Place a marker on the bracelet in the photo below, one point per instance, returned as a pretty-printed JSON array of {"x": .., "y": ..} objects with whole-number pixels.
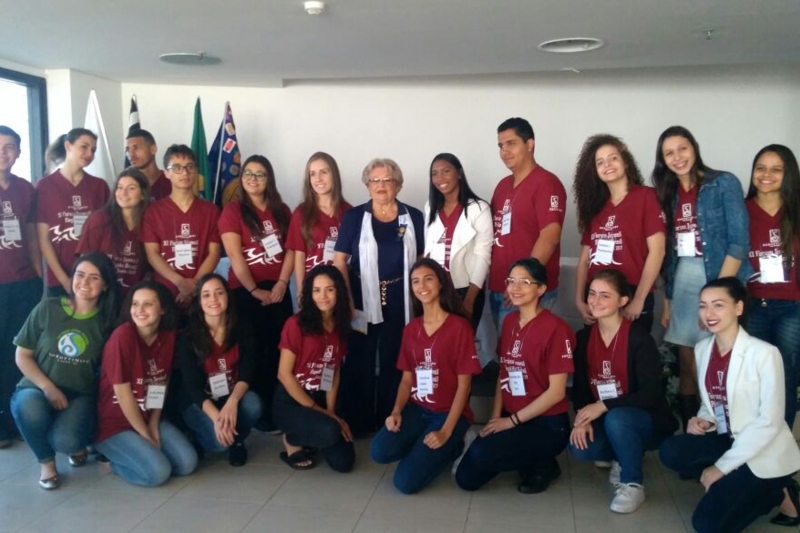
[
  {"x": 286, "y": 282},
  {"x": 512, "y": 419},
  {"x": 516, "y": 415},
  {"x": 253, "y": 289}
]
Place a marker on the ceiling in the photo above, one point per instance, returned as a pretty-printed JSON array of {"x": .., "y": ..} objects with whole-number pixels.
[{"x": 274, "y": 42}]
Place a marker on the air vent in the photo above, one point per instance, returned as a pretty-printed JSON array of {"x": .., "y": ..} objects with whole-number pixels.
[
  {"x": 571, "y": 45},
  {"x": 189, "y": 58}
]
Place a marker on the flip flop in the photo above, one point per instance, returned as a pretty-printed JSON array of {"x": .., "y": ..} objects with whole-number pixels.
[
  {"x": 50, "y": 483},
  {"x": 296, "y": 458}
]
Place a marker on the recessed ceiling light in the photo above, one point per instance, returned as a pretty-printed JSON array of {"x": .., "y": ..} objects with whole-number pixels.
[
  {"x": 189, "y": 58},
  {"x": 314, "y": 7},
  {"x": 571, "y": 45}
]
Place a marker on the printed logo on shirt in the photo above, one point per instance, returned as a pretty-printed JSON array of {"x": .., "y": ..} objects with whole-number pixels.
[
  {"x": 775, "y": 236},
  {"x": 153, "y": 366},
  {"x": 607, "y": 368},
  {"x": 553, "y": 203},
  {"x": 328, "y": 355},
  {"x": 223, "y": 366},
  {"x": 507, "y": 205},
  {"x": 567, "y": 355},
  {"x": 186, "y": 230},
  {"x": 334, "y": 232},
  {"x": 128, "y": 249},
  {"x": 686, "y": 209},
  {"x": 515, "y": 348},
  {"x": 7, "y": 208},
  {"x": 76, "y": 201},
  {"x": 268, "y": 229},
  {"x": 72, "y": 343},
  {"x": 428, "y": 355},
  {"x": 720, "y": 376},
  {"x": 610, "y": 222}
]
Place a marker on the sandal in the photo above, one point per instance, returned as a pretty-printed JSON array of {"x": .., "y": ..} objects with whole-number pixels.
[
  {"x": 296, "y": 458},
  {"x": 50, "y": 483},
  {"x": 79, "y": 459}
]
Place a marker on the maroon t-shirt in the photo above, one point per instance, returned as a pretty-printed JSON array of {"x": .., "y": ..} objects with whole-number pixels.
[
  {"x": 450, "y": 222},
  {"x": 18, "y": 205},
  {"x": 539, "y": 200},
  {"x": 685, "y": 217},
  {"x": 166, "y": 225},
  {"x": 609, "y": 364},
  {"x": 765, "y": 241},
  {"x": 218, "y": 362},
  {"x": 126, "y": 251},
  {"x": 716, "y": 381},
  {"x": 58, "y": 203},
  {"x": 127, "y": 359},
  {"x": 262, "y": 267},
  {"x": 312, "y": 353},
  {"x": 629, "y": 224},
  {"x": 448, "y": 353},
  {"x": 161, "y": 188},
  {"x": 325, "y": 228},
  {"x": 543, "y": 347}
]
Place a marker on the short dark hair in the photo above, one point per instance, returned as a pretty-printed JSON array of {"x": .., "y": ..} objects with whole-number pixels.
[
  {"x": 520, "y": 126},
  {"x": 5, "y": 130},
  {"x": 143, "y": 134},
  {"x": 533, "y": 266},
  {"x": 179, "y": 149}
]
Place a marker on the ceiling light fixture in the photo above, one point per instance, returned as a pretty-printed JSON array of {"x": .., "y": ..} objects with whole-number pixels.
[
  {"x": 571, "y": 45},
  {"x": 314, "y": 7},
  {"x": 189, "y": 58}
]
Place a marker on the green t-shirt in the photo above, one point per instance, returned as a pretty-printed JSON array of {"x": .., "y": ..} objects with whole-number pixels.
[{"x": 66, "y": 346}]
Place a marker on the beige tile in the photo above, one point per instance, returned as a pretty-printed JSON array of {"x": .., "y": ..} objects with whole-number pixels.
[
  {"x": 285, "y": 519},
  {"x": 198, "y": 515},
  {"x": 21, "y": 505},
  {"x": 72, "y": 478},
  {"x": 484, "y": 527},
  {"x": 114, "y": 483},
  {"x": 501, "y": 503},
  {"x": 322, "y": 488},
  {"x": 409, "y": 525},
  {"x": 15, "y": 458},
  {"x": 592, "y": 514},
  {"x": 220, "y": 481}
]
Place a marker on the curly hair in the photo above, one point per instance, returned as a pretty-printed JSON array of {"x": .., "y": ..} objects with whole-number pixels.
[
  {"x": 310, "y": 317},
  {"x": 449, "y": 300},
  {"x": 591, "y": 193}
]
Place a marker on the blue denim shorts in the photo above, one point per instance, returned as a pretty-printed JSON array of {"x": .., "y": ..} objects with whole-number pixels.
[{"x": 684, "y": 326}]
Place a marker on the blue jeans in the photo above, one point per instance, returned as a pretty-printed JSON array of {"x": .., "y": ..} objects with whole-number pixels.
[
  {"x": 622, "y": 434},
  {"x": 419, "y": 465},
  {"x": 47, "y": 430},
  {"x": 733, "y": 502},
  {"x": 524, "y": 448},
  {"x": 250, "y": 408},
  {"x": 778, "y": 322},
  {"x": 500, "y": 310},
  {"x": 137, "y": 461}
]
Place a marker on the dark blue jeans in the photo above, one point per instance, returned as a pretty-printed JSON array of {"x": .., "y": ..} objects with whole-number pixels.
[
  {"x": 524, "y": 448},
  {"x": 249, "y": 412},
  {"x": 733, "y": 502},
  {"x": 419, "y": 465},
  {"x": 778, "y": 323},
  {"x": 622, "y": 434}
]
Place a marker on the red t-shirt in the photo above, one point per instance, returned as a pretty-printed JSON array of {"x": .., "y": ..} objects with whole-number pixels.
[
  {"x": 539, "y": 200},
  {"x": 312, "y": 352},
  {"x": 765, "y": 241},
  {"x": 325, "y": 228},
  {"x": 716, "y": 381},
  {"x": 262, "y": 267},
  {"x": 18, "y": 204},
  {"x": 448, "y": 353},
  {"x": 58, "y": 202},
  {"x": 161, "y": 188},
  {"x": 127, "y": 359},
  {"x": 609, "y": 364},
  {"x": 166, "y": 225},
  {"x": 685, "y": 218},
  {"x": 629, "y": 224},
  {"x": 218, "y": 362},
  {"x": 127, "y": 252},
  {"x": 543, "y": 347},
  {"x": 450, "y": 222}
]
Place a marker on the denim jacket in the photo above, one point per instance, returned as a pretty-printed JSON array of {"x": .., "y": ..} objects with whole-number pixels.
[{"x": 724, "y": 228}]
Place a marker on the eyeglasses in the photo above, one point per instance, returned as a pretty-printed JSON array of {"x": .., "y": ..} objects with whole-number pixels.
[
  {"x": 180, "y": 169},
  {"x": 525, "y": 282},
  {"x": 248, "y": 175},
  {"x": 383, "y": 181}
]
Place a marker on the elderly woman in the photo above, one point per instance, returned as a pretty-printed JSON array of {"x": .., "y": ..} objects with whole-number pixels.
[{"x": 378, "y": 243}]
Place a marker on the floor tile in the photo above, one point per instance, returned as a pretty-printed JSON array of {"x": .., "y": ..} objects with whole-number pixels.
[
  {"x": 21, "y": 505},
  {"x": 499, "y": 502},
  {"x": 220, "y": 481},
  {"x": 15, "y": 458},
  {"x": 409, "y": 525},
  {"x": 592, "y": 514},
  {"x": 199, "y": 515},
  {"x": 285, "y": 519},
  {"x": 322, "y": 488}
]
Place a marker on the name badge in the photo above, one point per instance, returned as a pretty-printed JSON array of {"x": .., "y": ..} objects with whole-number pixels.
[
  {"x": 326, "y": 380},
  {"x": 516, "y": 382},
  {"x": 606, "y": 390},
  {"x": 183, "y": 254},
  {"x": 78, "y": 220},
  {"x": 686, "y": 244},
  {"x": 360, "y": 322},
  {"x": 218, "y": 383},
  {"x": 424, "y": 381},
  {"x": 771, "y": 267},
  {"x": 719, "y": 415},
  {"x": 155, "y": 396},
  {"x": 604, "y": 253},
  {"x": 11, "y": 230},
  {"x": 505, "y": 226},
  {"x": 328, "y": 250},
  {"x": 271, "y": 245}
]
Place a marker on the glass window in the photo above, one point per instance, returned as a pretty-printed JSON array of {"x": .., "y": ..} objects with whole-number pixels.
[{"x": 24, "y": 109}]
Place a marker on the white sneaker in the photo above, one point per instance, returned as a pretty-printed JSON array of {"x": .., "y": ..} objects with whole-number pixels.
[
  {"x": 469, "y": 436},
  {"x": 627, "y": 498},
  {"x": 614, "y": 474}
]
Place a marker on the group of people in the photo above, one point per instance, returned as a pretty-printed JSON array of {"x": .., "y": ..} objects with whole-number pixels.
[{"x": 389, "y": 298}]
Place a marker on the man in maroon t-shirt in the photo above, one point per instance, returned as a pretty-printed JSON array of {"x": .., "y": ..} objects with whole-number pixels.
[
  {"x": 528, "y": 208},
  {"x": 140, "y": 147},
  {"x": 180, "y": 232}
]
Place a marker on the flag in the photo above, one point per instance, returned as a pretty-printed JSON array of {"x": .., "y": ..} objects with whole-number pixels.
[
  {"x": 103, "y": 165},
  {"x": 225, "y": 160},
  {"x": 201, "y": 152},
  {"x": 133, "y": 126}
]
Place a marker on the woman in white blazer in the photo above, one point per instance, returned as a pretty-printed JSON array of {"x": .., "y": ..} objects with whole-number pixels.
[
  {"x": 458, "y": 232},
  {"x": 738, "y": 445}
]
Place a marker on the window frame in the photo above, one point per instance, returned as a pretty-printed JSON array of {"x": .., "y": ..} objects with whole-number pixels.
[{"x": 37, "y": 117}]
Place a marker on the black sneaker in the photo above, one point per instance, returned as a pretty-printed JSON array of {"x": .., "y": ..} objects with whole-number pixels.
[
  {"x": 539, "y": 480},
  {"x": 237, "y": 454}
]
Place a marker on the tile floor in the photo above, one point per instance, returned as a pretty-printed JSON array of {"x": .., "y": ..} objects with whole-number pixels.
[{"x": 266, "y": 496}]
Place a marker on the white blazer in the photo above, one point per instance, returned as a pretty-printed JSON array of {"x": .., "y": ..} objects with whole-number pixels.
[
  {"x": 471, "y": 249},
  {"x": 756, "y": 403}
]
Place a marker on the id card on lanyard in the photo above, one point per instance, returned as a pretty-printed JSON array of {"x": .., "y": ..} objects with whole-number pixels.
[
  {"x": 686, "y": 244},
  {"x": 516, "y": 381},
  {"x": 155, "y": 396},
  {"x": 78, "y": 220},
  {"x": 771, "y": 267},
  {"x": 272, "y": 245},
  {"x": 218, "y": 383},
  {"x": 12, "y": 230},
  {"x": 424, "y": 381}
]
